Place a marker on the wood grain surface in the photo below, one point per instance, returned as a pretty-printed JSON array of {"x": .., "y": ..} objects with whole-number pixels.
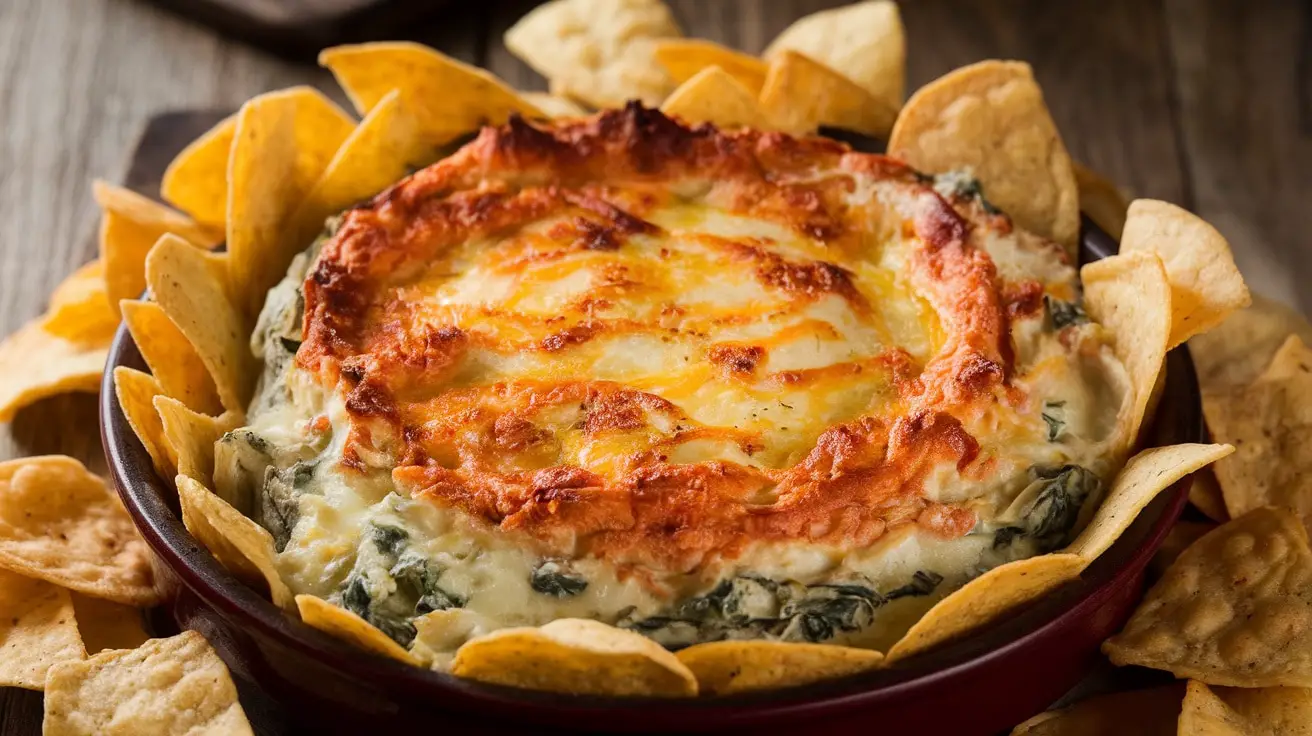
[{"x": 1207, "y": 103}]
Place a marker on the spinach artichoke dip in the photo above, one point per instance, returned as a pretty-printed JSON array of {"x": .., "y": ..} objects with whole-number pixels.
[{"x": 692, "y": 383}]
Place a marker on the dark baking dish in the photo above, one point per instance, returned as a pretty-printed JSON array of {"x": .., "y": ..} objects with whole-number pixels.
[{"x": 981, "y": 684}]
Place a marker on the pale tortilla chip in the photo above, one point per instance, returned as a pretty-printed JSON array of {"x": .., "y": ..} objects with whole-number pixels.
[
  {"x": 1206, "y": 286},
  {"x": 35, "y": 365},
  {"x": 79, "y": 309},
  {"x": 130, "y": 225},
  {"x": 196, "y": 181},
  {"x": 108, "y": 625},
  {"x": 1178, "y": 539},
  {"x": 190, "y": 436},
  {"x": 1143, "y": 477},
  {"x": 345, "y": 625},
  {"x": 990, "y": 121},
  {"x": 238, "y": 543},
  {"x": 37, "y": 630},
  {"x": 598, "y": 51},
  {"x": 554, "y": 106},
  {"x": 1270, "y": 422},
  {"x": 171, "y": 358},
  {"x": 578, "y": 656},
  {"x": 984, "y": 599},
  {"x": 1130, "y": 296},
  {"x": 447, "y": 98},
  {"x": 1234, "y": 609},
  {"x": 1222, "y": 711},
  {"x": 189, "y": 284},
  {"x": 136, "y": 396},
  {"x": 1132, "y": 713},
  {"x": 864, "y": 42},
  {"x": 685, "y": 58},
  {"x": 167, "y": 686},
  {"x": 1101, "y": 200},
  {"x": 1205, "y": 495},
  {"x": 63, "y": 525},
  {"x": 712, "y": 96},
  {"x": 801, "y": 94},
  {"x": 1236, "y": 352},
  {"x": 727, "y": 667}
]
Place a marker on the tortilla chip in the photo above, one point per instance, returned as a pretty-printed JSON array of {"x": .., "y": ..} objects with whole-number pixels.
[
  {"x": 1236, "y": 352},
  {"x": 35, "y": 365},
  {"x": 238, "y": 543},
  {"x": 79, "y": 310},
  {"x": 167, "y": 686},
  {"x": 990, "y": 121},
  {"x": 191, "y": 436},
  {"x": 1129, "y": 296},
  {"x": 685, "y": 58},
  {"x": 130, "y": 224},
  {"x": 196, "y": 181},
  {"x": 1280, "y": 711},
  {"x": 108, "y": 625},
  {"x": 63, "y": 525},
  {"x": 37, "y": 630},
  {"x": 553, "y": 106},
  {"x": 727, "y": 667},
  {"x": 170, "y": 356},
  {"x": 1270, "y": 422},
  {"x": 598, "y": 51},
  {"x": 1178, "y": 539},
  {"x": 385, "y": 147},
  {"x": 1132, "y": 713},
  {"x": 189, "y": 286},
  {"x": 136, "y": 395},
  {"x": 1234, "y": 609},
  {"x": 984, "y": 599},
  {"x": 446, "y": 97},
  {"x": 801, "y": 94},
  {"x": 712, "y": 96},
  {"x": 1205, "y": 495},
  {"x": 345, "y": 625},
  {"x": 864, "y": 42},
  {"x": 1206, "y": 286},
  {"x": 1101, "y": 200},
  {"x": 1143, "y": 477},
  {"x": 578, "y": 656}
]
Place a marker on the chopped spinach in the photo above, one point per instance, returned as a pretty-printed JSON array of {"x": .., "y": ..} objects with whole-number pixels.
[
  {"x": 289, "y": 344},
  {"x": 923, "y": 582},
  {"x": 958, "y": 184},
  {"x": 280, "y": 504},
  {"x": 416, "y": 579},
  {"x": 1054, "y": 415},
  {"x": 1006, "y": 535},
  {"x": 554, "y": 579},
  {"x": 389, "y": 539},
  {"x": 1064, "y": 314},
  {"x": 1059, "y": 492}
]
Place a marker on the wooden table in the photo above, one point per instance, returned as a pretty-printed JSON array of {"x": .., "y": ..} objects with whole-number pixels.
[{"x": 1207, "y": 103}]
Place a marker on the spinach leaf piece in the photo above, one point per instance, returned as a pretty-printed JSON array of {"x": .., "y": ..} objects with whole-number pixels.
[
  {"x": 1064, "y": 314},
  {"x": 1054, "y": 415},
  {"x": 556, "y": 580},
  {"x": 1056, "y": 508}
]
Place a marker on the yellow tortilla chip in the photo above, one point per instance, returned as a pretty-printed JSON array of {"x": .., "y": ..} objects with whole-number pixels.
[
  {"x": 1101, "y": 200},
  {"x": 108, "y": 625},
  {"x": 79, "y": 310},
  {"x": 864, "y": 42},
  {"x": 727, "y": 667},
  {"x": 1132, "y": 713},
  {"x": 196, "y": 181},
  {"x": 345, "y": 625},
  {"x": 1222, "y": 711},
  {"x": 166, "y": 686},
  {"x": 1234, "y": 609},
  {"x": 1206, "y": 286},
  {"x": 1205, "y": 495},
  {"x": 1236, "y": 352},
  {"x": 578, "y": 656},
  {"x": 171, "y": 358},
  {"x": 1130, "y": 296},
  {"x": 1270, "y": 422},
  {"x": 136, "y": 395},
  {"x": 1178, "y": 539},
  {"x": 238, "y": 543},
  {"x": 597, "y": 51},
  {"x": 130, "y": 225},
  {"x": 1143, "y": 477},
  {"x": 990, "y": 121},
  {"x": 801, "y": 94},
  {"x": 984, "y": 599},
  {"x": 386, "y": 145},
  {"x": 446, "y": 97},
  {"x": 685, "y": 58},
  {"x": 37, "y": 630},
  {"x": 63, "y": 525},
  {"x": 554, "y": 106},
  {"x": 190, "y": 436},
  {"x": 189, "y": 284},
  {"x": 712, "y": 96},
  {"x": 35, "y": 365}
]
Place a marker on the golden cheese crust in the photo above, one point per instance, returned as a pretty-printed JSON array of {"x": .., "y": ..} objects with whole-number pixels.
[{"x": 656, "y": 344}]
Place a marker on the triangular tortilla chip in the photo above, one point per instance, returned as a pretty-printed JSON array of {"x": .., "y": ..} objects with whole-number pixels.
[
  {"x": 727, "y": 667},
  {"x": 191, "y": 436},
  {"x": 196, "y": 181},
  {"x": 37, "y": 630},
  {"x": 170, "y": 356},
  {"x": 79, "y": 308},
  {"x": 136, "y": 395},
  {"x": 1236, "y": 352},
  {"x": 685, "y": 58},
  {"x": 34, "y": 365},
  {"x": 801, "y": 94},
  {"x": 239, "y": 544},
  {"x": 712, "y": 96}
]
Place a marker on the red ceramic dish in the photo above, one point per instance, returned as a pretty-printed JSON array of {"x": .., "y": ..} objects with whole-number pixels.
[{"x": 982, "y": 684}]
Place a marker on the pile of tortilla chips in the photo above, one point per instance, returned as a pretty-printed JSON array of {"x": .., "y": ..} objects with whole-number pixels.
[{"x": 1233, "y": 608}]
